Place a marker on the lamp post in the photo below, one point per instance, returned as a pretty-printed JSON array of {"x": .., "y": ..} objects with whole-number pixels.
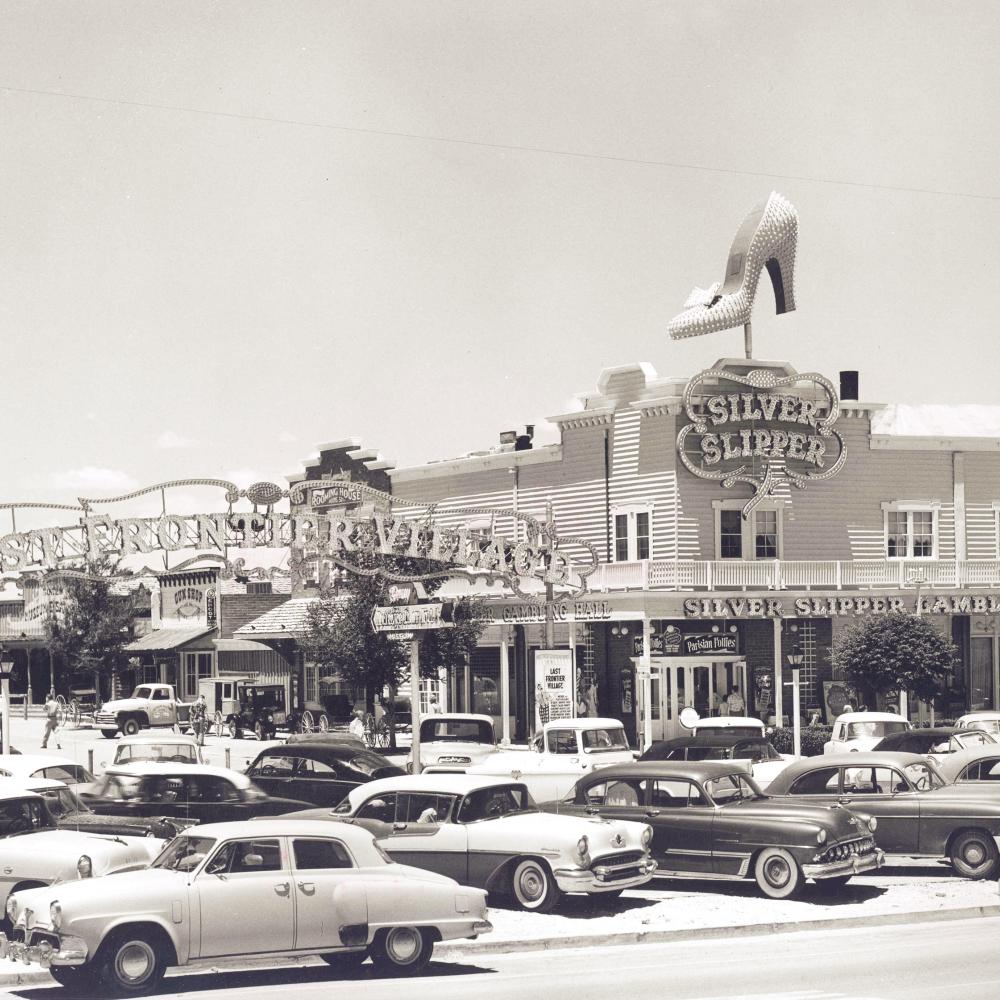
[
  {"x": 795, "y": 658},
  {"x": 6, "y": 669}
]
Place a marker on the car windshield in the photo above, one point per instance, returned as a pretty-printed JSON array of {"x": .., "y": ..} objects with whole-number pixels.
[
  {"x": 184, "y": 854},
  {"x": 986, "y": 725},
  {"x": 494, "y": 802},
  {"x": 731, "y": 788},
  {"x": 22, "y": 816},
  {"x": 874, "y": 728},
  {"x": 604, "y": 740},
  {"x": 923, "y": 776},
  {"x": 142, "y": 692},
  {"x": 62, "y": 801},
  {"x": 175, "y": 752},
  {"x": 456, "y": 731}
]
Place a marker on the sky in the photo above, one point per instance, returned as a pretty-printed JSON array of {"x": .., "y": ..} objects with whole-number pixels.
[{"x": 233, "y": 231}]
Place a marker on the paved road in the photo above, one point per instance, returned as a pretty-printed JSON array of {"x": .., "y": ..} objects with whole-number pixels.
[{"x": 928, "y": 961}]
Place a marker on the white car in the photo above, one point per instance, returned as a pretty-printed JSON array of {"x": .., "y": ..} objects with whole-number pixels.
[
  {"x": 862, "y": 730},
  {"x": 732, "y": 725},
  {"x": 282, "y": 889},
  {"x": 453, "y": 742},
  {"x": 23, "y": 766},
  {"x": 33, "y": 852},
  {"x": 487, "y": 832},
  {"x": 987, "y": 721},
  {"x": 156, "y": 746},
  {"x": 560, "y": 755}
]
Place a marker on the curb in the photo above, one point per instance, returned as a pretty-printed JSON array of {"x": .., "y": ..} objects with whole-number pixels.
[{"x": 459, "y": 948}]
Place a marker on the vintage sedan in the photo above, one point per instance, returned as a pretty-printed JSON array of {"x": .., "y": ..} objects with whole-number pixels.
[
  {"x": 564, "y": 751},
  {"x": 919, "y": 814},
  {"x": 760, "y": 759},
  {"x": 987, "y": 720},
  {"x": 189, "y": 791},
  {"x": 320, "y": 773},
  {"x": 283, "y": 889},
  {"x": 487, "y": 832},
  {"x": 860, "y": 731},
  {"x": 23, "y": 766},
  {"x": 710, "y": 820},
  {"x": 973, "y": 765},
  {"x": 451, "y": 743},
  {"x": 35, "y": 852}
]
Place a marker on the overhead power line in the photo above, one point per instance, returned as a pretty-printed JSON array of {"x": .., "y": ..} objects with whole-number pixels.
[{"x": 507, "y": 147}]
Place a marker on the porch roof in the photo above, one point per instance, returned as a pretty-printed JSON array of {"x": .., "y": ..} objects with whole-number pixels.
[{"x": 162, "y": 639}]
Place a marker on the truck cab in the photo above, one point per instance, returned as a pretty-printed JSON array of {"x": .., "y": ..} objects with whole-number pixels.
[{"x": 150, "y": 706}]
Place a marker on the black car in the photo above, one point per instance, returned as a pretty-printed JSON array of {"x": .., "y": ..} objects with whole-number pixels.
[
  {"x": 321, "y": 772},
  {"x": 936, "y": 740},
  {"x": 189, "y": 791},
  {"x": 713, "y": 746}
]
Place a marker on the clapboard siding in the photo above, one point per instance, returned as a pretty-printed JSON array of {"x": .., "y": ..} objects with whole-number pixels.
[{"x": 982, "y": 491}]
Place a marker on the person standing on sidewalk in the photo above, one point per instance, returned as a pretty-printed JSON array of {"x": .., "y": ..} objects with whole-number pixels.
[
  {"x": 199, "y": 719},
  {"x": 51, "y": 719}
]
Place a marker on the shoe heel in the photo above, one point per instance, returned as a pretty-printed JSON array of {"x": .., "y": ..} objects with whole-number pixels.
[{"x": 781, "y": 267}]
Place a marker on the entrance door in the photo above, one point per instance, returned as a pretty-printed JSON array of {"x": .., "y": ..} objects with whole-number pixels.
[
  {"x": 981, "y": 670},
  {"x": 692, "y": 682}
]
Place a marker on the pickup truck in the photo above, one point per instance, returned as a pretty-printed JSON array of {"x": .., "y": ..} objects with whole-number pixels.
[{"x": 150, "y": 706}]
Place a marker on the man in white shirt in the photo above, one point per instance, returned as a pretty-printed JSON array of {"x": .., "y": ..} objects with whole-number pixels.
[{"x": 735, "y": 702}]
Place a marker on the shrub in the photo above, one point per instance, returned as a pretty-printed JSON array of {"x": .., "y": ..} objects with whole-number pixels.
[{"x": 813, "y": 738}]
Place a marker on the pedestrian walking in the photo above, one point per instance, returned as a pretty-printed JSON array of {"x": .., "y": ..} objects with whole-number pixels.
[
  {"x": 51, "y": 720},
  {"x": 735, "y": 702},
  {"x": 199, "y": 719}
]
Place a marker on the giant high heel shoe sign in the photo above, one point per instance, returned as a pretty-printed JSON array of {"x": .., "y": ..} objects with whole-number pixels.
[{"x": 767, "y": 239}]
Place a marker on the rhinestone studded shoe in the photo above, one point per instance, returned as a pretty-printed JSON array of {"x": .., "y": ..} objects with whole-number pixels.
[{"x": 767, "y": 238}]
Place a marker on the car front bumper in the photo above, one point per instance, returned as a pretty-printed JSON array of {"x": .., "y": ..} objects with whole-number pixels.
[
  {"x": 71, "y": 951},
  {"x": 848, "y": 866},
  {"x": 605, "y": 878}
]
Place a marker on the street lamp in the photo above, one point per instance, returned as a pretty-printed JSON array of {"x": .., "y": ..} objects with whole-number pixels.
[
  {"x": 6, "y": 669},
  {"x": 795, "y": 658}
]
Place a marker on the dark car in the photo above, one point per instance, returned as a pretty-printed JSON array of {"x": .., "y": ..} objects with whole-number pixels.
[
  {"x": 318, "y": 771},
  {"x": 760, "y": 759},
  {"x": 935, "y": 740},
  {"x": 710, "y": 820},
  {"x": 919, "y": 814},
  {"x": 189, "y": 791}
]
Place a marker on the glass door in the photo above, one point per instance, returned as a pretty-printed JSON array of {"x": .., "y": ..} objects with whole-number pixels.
[{"x": 981, "y": 673}]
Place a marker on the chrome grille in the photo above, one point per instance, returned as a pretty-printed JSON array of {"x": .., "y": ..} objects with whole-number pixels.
[{"x": 848, "y": 849}]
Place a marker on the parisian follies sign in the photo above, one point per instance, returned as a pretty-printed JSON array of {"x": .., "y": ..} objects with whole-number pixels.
[{"x": 762, "y": 428}]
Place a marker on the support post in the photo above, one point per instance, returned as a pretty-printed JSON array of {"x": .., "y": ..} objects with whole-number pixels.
[
  {"x": 778, "y": 699},
  {"x": 796, "y": 714},
  {"x": 647, "y": 683},
  {"x": 504, "y": 687},
  {"x": 415, "y": 703},
  {"x": 5, "y": 718},
  {"x": 748, "y": 339}
]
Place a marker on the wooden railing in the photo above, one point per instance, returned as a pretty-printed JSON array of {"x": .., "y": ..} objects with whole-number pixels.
[{"x": 781, "y": 574}]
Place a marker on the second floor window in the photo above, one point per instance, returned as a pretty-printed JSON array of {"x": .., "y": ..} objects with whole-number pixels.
[
  {"x": 632, "y": 534},
  {"x": 910, "y": 533},
  {"x": 756, "y": 537}
]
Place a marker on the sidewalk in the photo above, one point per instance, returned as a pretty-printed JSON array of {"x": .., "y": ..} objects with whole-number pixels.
[{"x": 908, "y": 891}]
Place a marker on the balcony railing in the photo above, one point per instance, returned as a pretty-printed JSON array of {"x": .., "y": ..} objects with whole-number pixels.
[{"x": 782, "y": 574}]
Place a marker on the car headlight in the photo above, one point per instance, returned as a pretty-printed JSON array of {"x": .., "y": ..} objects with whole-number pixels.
[
  {"x": 821, "y": 837},
  {"x": 583, "y": 846},
  {"x": 872, "y": 823},
  {"x": 647, "y": 836},
  {"x": 84, "y": 867},
  {"x": 55, "y": 915},
  {"x": 12, "y": 909}
]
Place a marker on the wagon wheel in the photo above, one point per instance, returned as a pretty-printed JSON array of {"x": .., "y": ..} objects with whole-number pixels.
[
  {"x": 381, "y": 733},
  {"x": 61, "y": 716},
  {"x": 62, "y": 700},
  {"x": 74, "y": 712},
  {"x": 368, "y": 722},
  {"x": 219, "y": 724},
  {"x": 308, "y": 723},
  {"x": 323, "y": 723}
]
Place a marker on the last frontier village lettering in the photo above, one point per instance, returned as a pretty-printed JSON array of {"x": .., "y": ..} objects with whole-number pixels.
[{"x": 825, "y": 607}]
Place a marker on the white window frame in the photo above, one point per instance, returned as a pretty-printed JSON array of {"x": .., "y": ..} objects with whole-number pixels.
[
  {"x": 630, "y": 510},
  {"x": 911, "y": 507},
  {"x": 748, "y": 541}
]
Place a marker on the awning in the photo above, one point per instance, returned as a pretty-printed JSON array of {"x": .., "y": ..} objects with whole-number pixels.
[
  {"x": 241, "y": 646},
  {"x": 161, "y": 639}
]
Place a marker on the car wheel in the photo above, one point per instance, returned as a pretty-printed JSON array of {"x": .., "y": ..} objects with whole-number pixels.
[
  {"x": 405, "y": 950},
  {"x": 109, "y": 734},
  {"x": 777, "y": 873},
  {"x": 78, "y": 978},
  {"x": 831, "y": 886},
  {"x": 344, "y": 961},
  {"x": 131, "y": 727},
  {"x": 130, "y": 962},
  {"x": 533, "y": 887},
  {"x": 974, "y": 855}
]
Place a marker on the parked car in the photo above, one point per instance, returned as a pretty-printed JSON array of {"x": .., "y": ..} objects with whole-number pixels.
[
  {"x": 452, "y": 742},
  {"x": 919, "y": 814},
  {"x": 488, "y": 832},
  {"x": 36, "y": 852},
  {"x": 761, "y": 760},
  {"x": 70, "y": 812},
  {"x": 148, "y": 707},
  {"x": 243, "y": 890},
  {"x": 329, "y": 737},
  {"x": 64, "y": 769},
  {"x": 735, "y": 725},
  {"x": 988, "y": 721},
  {"x": 318, "y": 772},
  {"x": 190, "y": 791},
  {"x": 710, "y": 820},
  {"x": 157, "y": 746},
  {"x": 936, "y": 742},
  {"x": 862, "y": 730},
  {"x": 563, "y": 752},
  {"x": 973, "y": 765}
]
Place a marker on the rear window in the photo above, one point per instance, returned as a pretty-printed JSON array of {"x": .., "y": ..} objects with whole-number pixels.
[
  {"x": 457, "y": 731},
  {"x": 875, "y": 728}
]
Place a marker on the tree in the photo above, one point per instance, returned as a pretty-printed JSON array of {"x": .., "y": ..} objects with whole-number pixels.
[
  {"x": 88, "y": 624},
  {"x": 340, "y": 637},
  {"x": 891, "y": 652}
]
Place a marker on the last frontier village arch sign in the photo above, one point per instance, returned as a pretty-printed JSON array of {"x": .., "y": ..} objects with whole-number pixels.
[{"x": 392, "y": 528}]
